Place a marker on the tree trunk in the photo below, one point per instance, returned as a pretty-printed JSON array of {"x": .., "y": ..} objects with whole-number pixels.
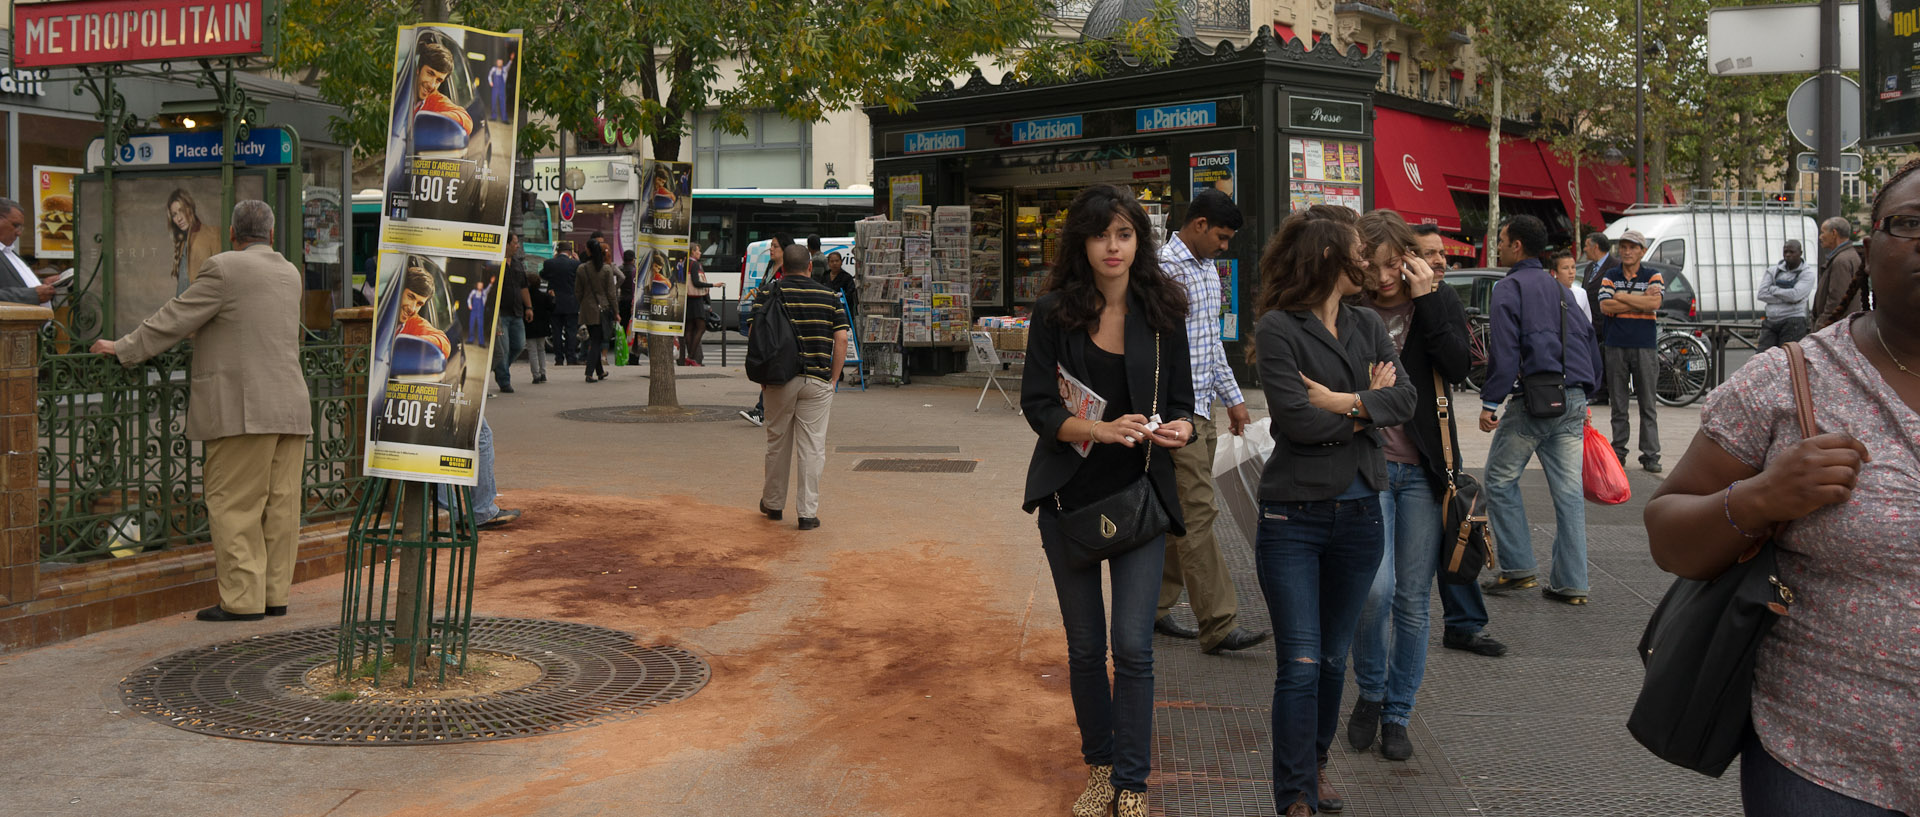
[
  {"x": 662, "y": 393},
  {"x": 1493, "y": 174},
  {"x": 416, "y": 516},
  {"x": 1579, "y": 209},
  {"x": 1657, "y": 168}
]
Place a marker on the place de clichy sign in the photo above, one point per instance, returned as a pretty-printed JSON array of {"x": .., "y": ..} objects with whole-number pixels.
[{"x": 92, "y": 32}]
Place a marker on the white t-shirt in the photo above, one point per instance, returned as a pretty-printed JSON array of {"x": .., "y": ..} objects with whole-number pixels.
[{"x": 1580, "y": 297}]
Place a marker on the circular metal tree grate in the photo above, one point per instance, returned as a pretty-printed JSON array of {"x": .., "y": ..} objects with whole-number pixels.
[
  {"x": 642, "y": 414},
  {"x": 253, "y": 689}
]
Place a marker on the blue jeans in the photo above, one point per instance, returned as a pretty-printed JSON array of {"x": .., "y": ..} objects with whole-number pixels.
[
  {"x": 1464, "y": 608},
  {"x": 1558, "y": 442},
  {"x": 1390, "y": 645},
  {"x": 1315, "y": 560},
  {"x": 484, "y": 493},
  {"x": 1770, "y": 789},
  {"x": 1116, "y": 722},
  {"x": 513, "y": 334}
]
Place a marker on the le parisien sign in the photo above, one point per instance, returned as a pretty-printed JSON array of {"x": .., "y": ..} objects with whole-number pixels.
[{"x": 91, "y": 32}]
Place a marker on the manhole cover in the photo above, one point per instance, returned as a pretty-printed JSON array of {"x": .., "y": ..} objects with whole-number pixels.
[
  {"x": 643, "y": 414},
  {"x": 696, "y": 376},
  {"x": 253, "y": 689},
  {"x": 897, "y": 449},
  {"x": 919, "y": 466}
]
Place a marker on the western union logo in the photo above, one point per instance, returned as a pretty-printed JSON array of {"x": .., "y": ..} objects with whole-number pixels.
[
  {"x": 456, "y": 462},
  {"x": 1906, "y": 23},
  {"x": 477, "y": 237}
]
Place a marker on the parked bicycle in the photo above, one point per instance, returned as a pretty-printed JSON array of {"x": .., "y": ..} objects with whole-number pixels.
[{"x": 1683, "y": 358}]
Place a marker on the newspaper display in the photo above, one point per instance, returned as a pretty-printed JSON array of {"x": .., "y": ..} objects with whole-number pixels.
[
  {"x": 660, "y": 248},
  {"x": 1081, "y": 402},
  {"x": 443, "y": 226}
]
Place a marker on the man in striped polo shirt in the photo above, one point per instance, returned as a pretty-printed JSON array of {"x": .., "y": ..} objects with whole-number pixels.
[
  {"x": 797, "y": 409},
  {"x": 1629, "y": 298}
]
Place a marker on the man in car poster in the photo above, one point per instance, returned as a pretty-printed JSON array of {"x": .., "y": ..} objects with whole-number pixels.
[{"x": 450, "y": 142}]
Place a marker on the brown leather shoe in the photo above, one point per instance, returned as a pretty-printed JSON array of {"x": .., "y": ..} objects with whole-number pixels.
[
  {"x": 1330, "y": 800},
  {"x": 1299, "y": 809}
]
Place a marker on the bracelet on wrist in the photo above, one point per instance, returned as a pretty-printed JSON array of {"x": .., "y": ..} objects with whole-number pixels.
[
  {"x": 1726, "y": 507},
  {"x": 1093, "y": 435}
]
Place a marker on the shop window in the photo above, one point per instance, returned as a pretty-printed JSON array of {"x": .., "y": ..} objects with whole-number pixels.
[
  {"x": 323, "y": 233},
  {"x": 774, "y": 152},
  {"x": 51, "y": 141}
]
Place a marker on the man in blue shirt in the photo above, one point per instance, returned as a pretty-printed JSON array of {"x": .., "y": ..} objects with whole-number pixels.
[
  {"x": 1530, "y": 314},
  {"x": 1629, "y": 303}
]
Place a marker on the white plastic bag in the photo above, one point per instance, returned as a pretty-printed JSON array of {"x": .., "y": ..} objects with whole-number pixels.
[{"x": 1237, "y": 462}]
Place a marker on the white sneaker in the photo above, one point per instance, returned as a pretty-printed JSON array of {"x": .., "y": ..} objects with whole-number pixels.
[{"x": 749, "y": 416}]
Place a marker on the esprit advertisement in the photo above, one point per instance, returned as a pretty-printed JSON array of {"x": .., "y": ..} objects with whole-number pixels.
[
  {"x": 660, "y": 248},
  {"x": 450, "y": 143}
]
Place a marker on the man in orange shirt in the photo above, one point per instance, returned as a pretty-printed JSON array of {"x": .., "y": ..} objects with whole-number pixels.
[
  {"x": 436, "y": 64},
  {"x": 417, "y": 288}
]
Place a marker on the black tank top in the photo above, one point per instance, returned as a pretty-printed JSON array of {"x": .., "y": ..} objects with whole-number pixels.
[{"x": 1110, "y": 466}]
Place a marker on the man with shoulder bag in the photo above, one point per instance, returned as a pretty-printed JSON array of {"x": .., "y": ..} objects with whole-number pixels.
[
  {"x": 795, "y": 351},
  {"x": 1544, "y": 358}
]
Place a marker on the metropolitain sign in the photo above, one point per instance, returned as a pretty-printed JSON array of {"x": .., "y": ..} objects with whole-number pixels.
[{"x": 91, "y": 32}]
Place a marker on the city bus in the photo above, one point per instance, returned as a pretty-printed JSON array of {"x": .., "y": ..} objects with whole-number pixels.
[{"x": 727, "y": 221}]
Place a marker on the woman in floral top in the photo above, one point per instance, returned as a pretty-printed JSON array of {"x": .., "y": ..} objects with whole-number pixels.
[{"x": 1836, "y": 697}]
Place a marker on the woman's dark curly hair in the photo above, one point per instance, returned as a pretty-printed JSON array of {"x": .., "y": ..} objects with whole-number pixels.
[
  {"x": 1079, "y": 301},
  {"x": 1306, "y": 258}
]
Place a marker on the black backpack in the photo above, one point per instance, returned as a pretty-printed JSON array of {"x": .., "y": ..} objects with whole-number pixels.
[{"x": 773, "y": 347}]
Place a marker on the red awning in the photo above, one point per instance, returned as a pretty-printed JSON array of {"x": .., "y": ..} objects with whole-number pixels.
[
  {"x": 1459, "y": 248},
  {"x": 1283, "y": 33},
  {"x": 1460, "y": 155},
  {"x": 1406, "y": 169}
]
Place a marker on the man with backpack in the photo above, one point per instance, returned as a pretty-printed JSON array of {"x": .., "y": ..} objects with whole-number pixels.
[{"x": 796, "y": 348}]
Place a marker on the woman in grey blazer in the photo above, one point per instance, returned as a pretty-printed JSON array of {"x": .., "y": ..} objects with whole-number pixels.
[
  {"x": 1332, "y": 380},
  {"x": 1108, "y": 318}
]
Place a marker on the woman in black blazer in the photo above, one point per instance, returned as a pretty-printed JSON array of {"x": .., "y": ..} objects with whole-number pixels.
[
  {"x": 1429, "y": 327},
  {"x": 1107, "y": 306},
  {"x": 1332, "y": 380}
]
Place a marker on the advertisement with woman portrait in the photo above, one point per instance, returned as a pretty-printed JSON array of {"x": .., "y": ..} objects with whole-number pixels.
[
  {"x": 665, "y": 226},
  {"x": 450, "y": 141},
  {"x": 164, "y": 228},
  {"x": 434, "y": 319}
]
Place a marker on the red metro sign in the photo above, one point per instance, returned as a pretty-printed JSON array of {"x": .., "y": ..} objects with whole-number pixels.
[{"x": 91, "y": 32}]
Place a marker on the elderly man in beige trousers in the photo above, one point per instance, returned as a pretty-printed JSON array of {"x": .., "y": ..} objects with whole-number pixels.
[{"x": 248, "y": 404}]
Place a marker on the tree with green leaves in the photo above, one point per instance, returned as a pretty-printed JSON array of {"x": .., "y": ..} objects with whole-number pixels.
[{"x": 648, "y": 66}]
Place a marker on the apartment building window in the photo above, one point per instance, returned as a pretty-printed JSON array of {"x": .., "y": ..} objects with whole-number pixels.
[
  {"x": 1393, "y": 72},
  {"x": 1426, "y": 83},
  {"x": 1454, "y": 85},
  {"x": 775, "y": 152}
]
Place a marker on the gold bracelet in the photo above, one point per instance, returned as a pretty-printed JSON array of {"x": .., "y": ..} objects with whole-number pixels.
[{"x": 1090, "y": 431}]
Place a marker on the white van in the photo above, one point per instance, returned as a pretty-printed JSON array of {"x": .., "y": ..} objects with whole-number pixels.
[{"x": 1722, "y": 251}]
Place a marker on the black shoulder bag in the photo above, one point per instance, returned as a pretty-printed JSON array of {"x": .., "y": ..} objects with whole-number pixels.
[
  {"x": 1699, "y": 648},
  {"x": 1545, "y": 393},
  {"x": 1123, "y": 520},
  {"x": 773, "y": 347},
  {"x": 1466, "y": 541}
]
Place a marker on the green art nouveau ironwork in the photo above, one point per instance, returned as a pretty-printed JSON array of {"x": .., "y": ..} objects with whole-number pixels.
[{"x": 408, "y": 601}]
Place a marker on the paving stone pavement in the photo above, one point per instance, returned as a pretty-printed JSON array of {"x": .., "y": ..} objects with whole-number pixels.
[{"x": 1540, "y": 732}]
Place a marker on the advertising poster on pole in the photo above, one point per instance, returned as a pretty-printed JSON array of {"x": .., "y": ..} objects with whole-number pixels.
[
  {"x": 53, "y": 211},
  {"x": 1215, "y": 169},
  {"x": 432, "y": 339},
  {"x": 660, "y": 249},
  {"x": 450, "y": 142},
  {"x": 443, "y": 226}
]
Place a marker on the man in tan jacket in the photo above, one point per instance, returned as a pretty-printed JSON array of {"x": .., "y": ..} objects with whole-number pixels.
[{"x": 248, "y": 404}]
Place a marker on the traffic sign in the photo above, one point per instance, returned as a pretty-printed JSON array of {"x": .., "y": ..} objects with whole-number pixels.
[
  {"x": 1810, "y": 162},
  {"x": 1803, "y": 113},
  {"x": 566, "y": 205},
  {"x": 566, "y": 225}
]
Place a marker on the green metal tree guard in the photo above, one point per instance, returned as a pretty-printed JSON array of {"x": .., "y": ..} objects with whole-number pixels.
[{"x": 408, "y": 599}]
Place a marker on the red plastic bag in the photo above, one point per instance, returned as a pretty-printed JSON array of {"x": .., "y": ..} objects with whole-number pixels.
[{"x": 1602, "y": 475}]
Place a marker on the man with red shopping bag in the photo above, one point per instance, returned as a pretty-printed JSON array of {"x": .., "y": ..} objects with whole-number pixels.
[{"x": 1543, "y": 356}]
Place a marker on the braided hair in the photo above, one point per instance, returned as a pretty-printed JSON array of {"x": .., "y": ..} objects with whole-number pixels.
[{"x": 1859, "y": 286}]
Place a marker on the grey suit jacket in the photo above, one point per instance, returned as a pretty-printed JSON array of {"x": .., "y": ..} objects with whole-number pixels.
[
  {"x": 246, "y": 375},
  {"x": 16, "y": 286},
  {"x": 1316, "y": 453}
]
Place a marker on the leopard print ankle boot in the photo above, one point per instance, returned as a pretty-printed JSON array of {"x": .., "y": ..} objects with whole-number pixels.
[
  {"x": 1130, "y": 804},
  {"x": 1098, "y": 798}
]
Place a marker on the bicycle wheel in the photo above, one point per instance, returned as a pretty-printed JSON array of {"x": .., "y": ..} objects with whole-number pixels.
[
  {"x": 1478, "y": 341},
  {"x": 1683, "y": 366}
]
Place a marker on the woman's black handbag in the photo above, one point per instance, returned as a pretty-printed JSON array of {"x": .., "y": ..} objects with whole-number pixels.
[
  {"x": 1466, "y": 542},
  {"x": 1123, "y": 520},
  {"x": 1700, "y": 646}
]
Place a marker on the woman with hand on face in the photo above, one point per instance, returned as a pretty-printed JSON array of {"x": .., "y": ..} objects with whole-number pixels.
[
  {"x": 1835, "y": 718},
  {"x": 1110, "y": 318},
  {"x": 1333, "y": 381},
  {"x": 1429, "y": 330}
]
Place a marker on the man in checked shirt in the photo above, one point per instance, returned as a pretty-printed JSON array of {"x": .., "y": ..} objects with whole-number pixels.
[{"x": 1193, "y": 561}]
